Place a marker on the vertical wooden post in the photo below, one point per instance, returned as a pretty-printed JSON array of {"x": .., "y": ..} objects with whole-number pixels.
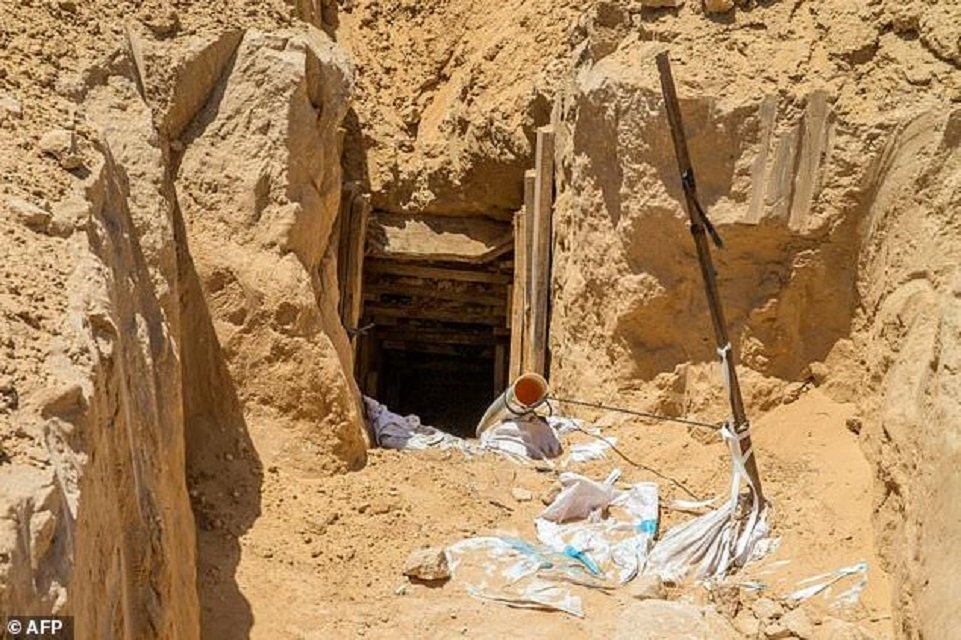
[
  {"x": 352, "y": 306},
  {"x": 527, "y": 238},
  {"x": 518, "y": 326},
  {"x": 500, "y": 368},
  {"x": 541, "y": 250},
  {"x": 700, "y": 227}
]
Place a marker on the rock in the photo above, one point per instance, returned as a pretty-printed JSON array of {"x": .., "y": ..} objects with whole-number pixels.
[
  {"x": 521, "y": 494},
  {"x": 776, "y": 631},
  {"x": 718, "y": 6},
  {"x": 163, "y": 24},
  {"x": 854, "y": 425},
  {"x": 68, "y": 216},
  {"x": 746, "y": 624},
  {"x": 658, "y": 619},
  {"x": 70, "y": 6},
  {"x": 798, "y": 623},
  {"x": 10, "y": 107},
  {"x": 29, "y": 215},
  {"x": 429, "y": 564},
  {"x": 726, "y": 599},
  {"x": 819, "y": 373},
  {"x": 766, "y": 609},
  {"x": 647, "y": 587},
  {"x": 550, "y": 494},
  {"x": 62, "y": 145},
  {"x": 660, "y": 4},
  {"x": 9, "y": 399}
]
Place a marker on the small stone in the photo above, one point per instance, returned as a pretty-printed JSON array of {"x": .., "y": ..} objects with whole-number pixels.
[
  {"x": 746, "y": 624},
  {"x": 10, "y": 107},
  {"x": 29, "y": 215},
  {"x": 718, "y": 6},
  {"x": 380, "y": 506},
  {"x": 68, "y": 216},
  {"x": 766, "y": 609},
  {"x": 776, "y": 631},
  {"x": 854, "y": 425},
  {"x": 798, "y": 623},
  {"x": 647, "y": 587},
  {"x": 67, "y": 5},
  {"x": 819, "y": 373},
  {"x": 661, "y": 4},
  {"x": 548, "y": 496},
  {"x": 62, "y": 145},
  {"x": 521, "y": 494},
  {"x": 9, "y": 399},
  {"x": 429, "y": 564},
  {"x": 164, "y": 23}
]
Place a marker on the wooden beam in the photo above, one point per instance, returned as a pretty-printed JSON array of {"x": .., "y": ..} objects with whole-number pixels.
[
  {"x": 458, "y": 351},
  {"x": 437, "y": 336},
  {"x": 530, "y": 184},
  {"x": 518, "y": 295},
  {"x": 356, "y": 239},
  {"x": 389, "y": 267},
  {"x": 500, "y": 368},
  {"x": 341, "y": 233},
  {"x": 376, "y": 311},
  {"x": 541, "y": 248},
  {"x": 373, "y": 292}
]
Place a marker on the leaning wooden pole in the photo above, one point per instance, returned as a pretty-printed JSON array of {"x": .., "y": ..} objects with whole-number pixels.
[{"x": 700, "y": 227}]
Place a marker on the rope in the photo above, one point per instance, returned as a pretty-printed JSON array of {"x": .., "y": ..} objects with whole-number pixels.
[
  {"x": 680, "y": 485},
  {"x": 642, "y": 414}
]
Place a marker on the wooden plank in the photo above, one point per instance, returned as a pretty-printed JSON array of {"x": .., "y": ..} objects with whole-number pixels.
[
  {"x": 457, "y": 351},
  {"x": 518, "y": 294},
  {"x": 500, "y": 368},
  {"x": 527, "y": 354},
  {"x": 374, "y": 291},
  {"x": 420, "y": 237},
  {"x": 541, "y": 248},
  {"x": 437, "y": 336},
  {"x": 438, "y": 315},
  {"x": 341, "y": 233},
  {"x": 388, "y": 267},
  {"x": 356, "y": 238}
]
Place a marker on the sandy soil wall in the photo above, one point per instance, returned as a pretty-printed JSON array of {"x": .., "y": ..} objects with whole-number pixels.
[{"x": 134, "y": 378}]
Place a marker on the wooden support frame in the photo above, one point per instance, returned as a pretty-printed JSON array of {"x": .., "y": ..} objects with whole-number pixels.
[
  {"x": 353, "y": 235},
  {"x": 388, "y": 267},
  {"x": 540, "y": 266}
]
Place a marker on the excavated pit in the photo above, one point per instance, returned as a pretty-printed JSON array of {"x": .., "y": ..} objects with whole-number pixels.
[{"x": 178, "y": 381}]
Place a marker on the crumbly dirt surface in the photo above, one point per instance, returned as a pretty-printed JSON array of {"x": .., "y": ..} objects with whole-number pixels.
[{"x": 325, "y": 558}]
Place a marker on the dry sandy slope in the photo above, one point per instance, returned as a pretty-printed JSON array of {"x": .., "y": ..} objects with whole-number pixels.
[{"x": 325, "y": 558}]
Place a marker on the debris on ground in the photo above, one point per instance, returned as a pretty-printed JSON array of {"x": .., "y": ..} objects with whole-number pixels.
[{"x": 429, "y": 564}]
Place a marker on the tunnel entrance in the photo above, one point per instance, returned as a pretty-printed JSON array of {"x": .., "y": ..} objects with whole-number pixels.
[{"x": 433, "y": 330}]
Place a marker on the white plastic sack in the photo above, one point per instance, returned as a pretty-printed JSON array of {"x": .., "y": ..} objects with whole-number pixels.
[
  {"x": 527, "y": 437},
  {"x": 709, "y": 545}
]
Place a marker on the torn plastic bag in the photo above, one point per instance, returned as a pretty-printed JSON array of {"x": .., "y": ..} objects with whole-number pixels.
[
  {"x": 594, "y": 450},
  {"x": 824, "y": 582},
  {"x": 506, "y": 570},
  {"x": 614, "y": 549},
  {"x": 580, "y": 497}
]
